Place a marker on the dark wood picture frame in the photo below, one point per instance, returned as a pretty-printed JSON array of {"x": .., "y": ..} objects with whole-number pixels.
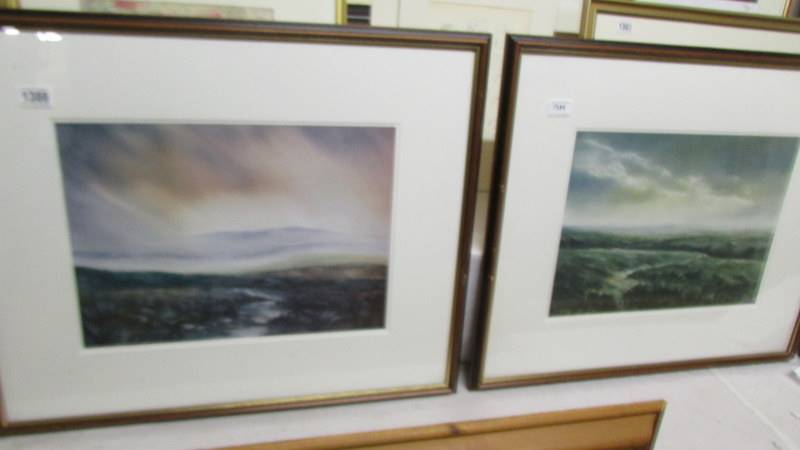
[
  {"x": 477, "y": 44},
  {"x": 516, "y": 47}
]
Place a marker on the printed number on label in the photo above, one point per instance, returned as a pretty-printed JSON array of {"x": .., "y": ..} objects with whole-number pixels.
[
  {"x": 559, "y": 108},
  {"x": 35, "y": 97}
]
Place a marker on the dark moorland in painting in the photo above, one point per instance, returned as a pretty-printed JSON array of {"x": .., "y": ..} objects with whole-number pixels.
[
  {"x": 659, "y": 221},
  {"x": 137, "y": 307},
  {"x": 187, "y": 232}
]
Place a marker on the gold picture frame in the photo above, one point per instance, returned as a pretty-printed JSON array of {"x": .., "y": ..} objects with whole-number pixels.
[{"x": 680, "y": 16}]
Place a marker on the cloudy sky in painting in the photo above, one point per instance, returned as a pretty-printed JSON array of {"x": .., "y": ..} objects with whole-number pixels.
[
  {"x": 203, "y": 191},
  {"x": 671, "y": 180}
]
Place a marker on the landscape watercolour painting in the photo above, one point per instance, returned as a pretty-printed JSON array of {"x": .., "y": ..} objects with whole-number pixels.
[
  {"x": 183, "y": 232},
  {"x": 656, "y": 221}
]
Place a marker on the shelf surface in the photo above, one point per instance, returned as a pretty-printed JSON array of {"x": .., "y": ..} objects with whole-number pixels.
[{"x": 743, "y": 407}]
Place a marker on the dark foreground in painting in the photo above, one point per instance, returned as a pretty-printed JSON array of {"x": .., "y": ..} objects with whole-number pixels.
[
  {"x": 603, "y": 271},
  {"x": 146, "y": 307}
]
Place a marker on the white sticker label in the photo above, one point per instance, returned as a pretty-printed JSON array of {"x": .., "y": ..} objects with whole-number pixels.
[
  {"x": 35, "y": 97},
  {"x": 559, "y": 108},
  {"x": 625, "y": 28}
]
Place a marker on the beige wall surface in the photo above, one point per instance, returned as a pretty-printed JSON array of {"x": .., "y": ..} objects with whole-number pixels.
[{"x": 496, "y": 17}]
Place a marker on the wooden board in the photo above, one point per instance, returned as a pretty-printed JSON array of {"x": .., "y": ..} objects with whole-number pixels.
[{"x": 629, "y": 427}]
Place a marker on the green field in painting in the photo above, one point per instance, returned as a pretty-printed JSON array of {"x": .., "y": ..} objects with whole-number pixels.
[{"x": 603, "y": 271}]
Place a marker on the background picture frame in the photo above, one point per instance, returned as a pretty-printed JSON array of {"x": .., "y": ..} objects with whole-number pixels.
[
  {"x": 650, "y": 23},
  {"x": 97, "y": 141},
  {"x": 779, "y": 8},
  {"x": 524, "y": 312}
]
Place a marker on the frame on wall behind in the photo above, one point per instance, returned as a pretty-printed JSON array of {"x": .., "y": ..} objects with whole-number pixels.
[
  {"x": 777, "y": 8},
  {"x": 113, "y": 169},
  {"x": 533, "y": 327},
  {"x": 570, "y": 11},
  {"x": 649, "y": 23}
]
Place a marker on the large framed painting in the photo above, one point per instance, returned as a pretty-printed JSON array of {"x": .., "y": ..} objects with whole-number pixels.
[
  {"x": 637, "y": 226},
  {"x": 213, "y": 217},
  {"x": 653, "y": 23}
]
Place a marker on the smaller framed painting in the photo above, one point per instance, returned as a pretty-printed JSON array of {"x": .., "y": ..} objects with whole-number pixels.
[
  {"x": 652, "y": 23},
  {"x": 636, "y": 227},
  {"x": 755, "y": 7},
  {"x": 569, "y": 13},
  {"x": 207, "y": 216}
]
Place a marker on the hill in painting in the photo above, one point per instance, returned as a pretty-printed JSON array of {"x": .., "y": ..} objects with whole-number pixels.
[{"x": 603, "y": 271}]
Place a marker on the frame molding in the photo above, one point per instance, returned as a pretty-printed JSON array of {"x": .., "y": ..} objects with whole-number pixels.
[
  {"x": 341, "y": 12},
  {"x": 516, "y": 46},
  {"x": 787, "y": 10},
  {"x": 476, "y": 43}
]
